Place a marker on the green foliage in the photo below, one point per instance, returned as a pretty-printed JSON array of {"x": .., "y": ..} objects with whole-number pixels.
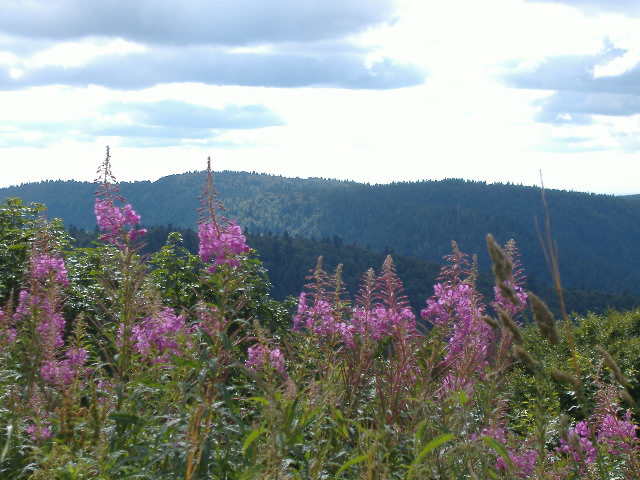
[
  {"x": 616, "y": 332},
  {"x": 18, "y": 226},
  {"x": 176, "y": 272},
  {"x": 368, "y": 406}
]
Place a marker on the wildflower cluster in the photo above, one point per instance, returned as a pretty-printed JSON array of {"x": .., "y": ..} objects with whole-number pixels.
[
  {"x": 62, "y": 372},
  {"x": 374, "y": 316},
  {"x": 381, "y": 322},
  {"x": 261, "y": 357},
  {"x": 118, "y": 223},
  {"x": 43, "y": 266},
  {"x": 319, "y": 318},
  {"x": 610, "y": 427},
  {"x": 40, "y": 308},
  {"x": 456, "y": 308},
  {"x": 220, "y": 239},
  {"x": 209, "y": 319},
  {"x": 222, "y": 243},
  {"x": 579, "y": 444},
  {"x": 618, "y": 434},
  {"x": 49, "y": 321},
  {"x": 8, "y": 332},
  {"x": 160, "y": 336}
]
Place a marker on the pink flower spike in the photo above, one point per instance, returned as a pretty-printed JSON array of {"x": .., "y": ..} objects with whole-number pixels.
[
  {"x": 44, "y": 266},
  {"x": 224, "y": 245},
  {"x": 114, "y": 221},
  {"x": 220, "y": 239},
  {"x": 260, "y": 357}
]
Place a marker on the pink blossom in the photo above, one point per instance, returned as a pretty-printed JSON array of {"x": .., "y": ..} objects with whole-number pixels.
[
  {"x": 62, "y": 372},
  {"x": 277, "y": 360},
  {"x": 76, "y": 356},
  {"x": 382, "y": 322},
  {"x": 51, "y": 323},
  {"x": 210, "y": 319},
  {"x": 255, "y": 357},
  {"x": 318, "y": 318},
  {"x": 57, "y": 373},
  {"x": 454, "y": 307},
  {"x": 522, "y": 458},
  {"x": 114, "y": 221},
  {"x": 581, "y": 435},
  {"x": 39, "y": 433},
  {"x": 24, "y": 304},
  {"x": 223, "y": 244},
  {"x": 160, "y": 336},
  {"x": 51, "y": 326},
  {"x": 507, "y": 305},
  {"x": 617, "y": 433},
  {"x": 261, "y": 357},
  {"x": 523, "y": 462},
  {"x": 42, "y": 266}
]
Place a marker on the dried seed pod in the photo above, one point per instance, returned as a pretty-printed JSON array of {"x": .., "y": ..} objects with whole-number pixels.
[
  {"x": 492, "y": 322},
  {"x": 626, "y": 396},
  {"x": 611, "y": 363},
  {"x": 564, "y": 428},
  {"x": 525, "y": 357},
  {"x": 508, "y": 292},
  {"x": 566, "y": 378},
  {"x": 508, "y": 322},
  {"x": 502, "y": 265},
  {"x": 544, "y": 319}
]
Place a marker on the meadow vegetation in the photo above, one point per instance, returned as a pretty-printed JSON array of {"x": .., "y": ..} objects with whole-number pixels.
[{"x": 115, "y": 364}]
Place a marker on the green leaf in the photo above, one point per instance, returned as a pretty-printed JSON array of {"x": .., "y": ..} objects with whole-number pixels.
[
  {"x": 420, "y": 430},
  {"x": 251, "y": 438},
  {"x": 125, "y": 418},
  {"x": 493, "y": 443},
  {"x": 351, "y": 462},
  {"x": 432, "y": 445},
  {"x": 5, "y": 449},
  {"x": 252, "y": 472}
]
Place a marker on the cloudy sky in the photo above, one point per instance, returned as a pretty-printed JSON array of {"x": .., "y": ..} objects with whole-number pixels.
[{"x": 368, "y": 90}]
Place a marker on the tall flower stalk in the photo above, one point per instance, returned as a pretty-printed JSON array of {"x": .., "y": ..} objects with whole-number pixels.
[
  {"x": 51, "y": 360},
  {"x": 456, "y": 309},
  {"x": 119, "y": 225},
  {"x": 221, "y": 240},
  {"x": 39, "y": 315}
]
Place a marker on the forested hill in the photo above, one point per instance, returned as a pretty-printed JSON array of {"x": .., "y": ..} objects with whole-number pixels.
[{"x": 597, "y": 235}]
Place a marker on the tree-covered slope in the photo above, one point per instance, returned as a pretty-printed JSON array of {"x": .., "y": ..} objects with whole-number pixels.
[{"x": 596, "y": 234}]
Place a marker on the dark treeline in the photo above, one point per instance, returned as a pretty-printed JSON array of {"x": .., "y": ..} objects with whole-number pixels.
[
  {"x": 289, "y": 260},
  {"x": 596, "y": 234}
]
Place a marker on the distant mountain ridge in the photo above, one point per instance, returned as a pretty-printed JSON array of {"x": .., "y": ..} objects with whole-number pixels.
[{"x": 597, "y": 235}]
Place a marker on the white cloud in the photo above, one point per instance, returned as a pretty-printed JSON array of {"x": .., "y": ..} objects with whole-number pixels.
[
  {"x": 241, "y": 22},
  {"x": 77, "y": 53},
  {"x": 375, "y": 91}
]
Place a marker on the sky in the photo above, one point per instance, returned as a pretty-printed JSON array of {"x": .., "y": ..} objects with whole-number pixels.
[{"x": 374, "y": 91}]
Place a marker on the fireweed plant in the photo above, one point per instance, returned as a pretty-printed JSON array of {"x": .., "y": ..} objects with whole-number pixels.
[{"x": 180, "y": 366}]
